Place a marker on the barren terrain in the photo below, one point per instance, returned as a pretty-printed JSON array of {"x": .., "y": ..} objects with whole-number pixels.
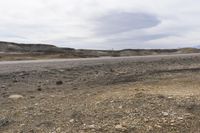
[
  {"x": 10, "y": 51},
  {"x": 151, "y": 94}
]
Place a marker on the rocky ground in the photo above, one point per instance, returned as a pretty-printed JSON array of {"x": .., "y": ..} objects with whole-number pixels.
[{"x": 125, "y": 96}]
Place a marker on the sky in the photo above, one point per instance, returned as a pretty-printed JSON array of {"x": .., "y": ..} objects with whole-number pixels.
[{"x": 102, "y": 24}]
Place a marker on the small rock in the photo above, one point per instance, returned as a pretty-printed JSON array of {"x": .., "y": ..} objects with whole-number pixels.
[
  {"x": 150, "y": 128},
  {"x": 161, "y": 96},
  {"x": 164, "y": 120},
  {"x": 170, "y": 97},
  {"x": 146, "y": 120},
  {"x": 120, "y": 107},
  {"x": 157, "y": 126},
  {"x": 3, "y": 86},
  {"x": 165, "y": 114},
  {"x": 15, "y": 97},
  {"x": 120, "y": 127},
  {"x": 58, "y": 129},
  {"x": 21, "y": 125},
  {"x": 15, "y": 80},
  {"x": 97, "y": 102},
  {"x": 172, "y": 124},
  {"x": 61, "y": 70},
  {"x": 112, "y": 101},
  {"x": 180, "y": 118},
  {"x": 71, "y": 121},
  {"x": 188, "y": 114},
  {"x": 39, "y": 89},
  {"x": 21, "y": 74},
  {"x": 59, "y": 82},
  {"x": 172, "y": 121},
  {"x": 52, "y": 96},
  {"x": 91, "y": 126}
]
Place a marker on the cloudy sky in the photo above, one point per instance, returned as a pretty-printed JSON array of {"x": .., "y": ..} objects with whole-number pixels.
[{"x": 102, "y": 24}]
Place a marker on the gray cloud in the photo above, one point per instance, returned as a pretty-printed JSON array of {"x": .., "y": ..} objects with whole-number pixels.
[
  {"x": 152, "y": 37},
  {"x": 139, "y": 38},
  {"x": 115, "y": 24},
  {"x": 118, "y": 22}
]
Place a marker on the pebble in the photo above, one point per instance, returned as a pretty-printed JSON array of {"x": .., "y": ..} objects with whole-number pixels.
[
  {"x": 15, "y": 97},
  {"x": 58, "y": 129},
  {"x": 120, "y": 127},
  {"x": 91, "y": 126},
  {"x": 157, "y": 126},
  {"x": 21, "y": 125},
  {"x": 165, "y": 114},
  {"x": 172, "y": 121},
  {"x": 3, "y": 86},
  {"x": 39, "y": 89},
  {"x": 170, "y": 97},
  {"x": 15, "y": 80},
  {"x": 61, "y": 70},
  {"x": 112, "y": 101},
  {"x": 21, "y": 74},
  {"x": 71, "y": 121},
  {"x": 146, "y": 120},
  {"x": 150, "y": 128},
  {"x": 180, "y": 118},
  {"x": 120, "y": 107}
]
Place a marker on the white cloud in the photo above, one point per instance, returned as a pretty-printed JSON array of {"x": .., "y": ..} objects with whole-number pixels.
[{"x": 71, "y": 23}]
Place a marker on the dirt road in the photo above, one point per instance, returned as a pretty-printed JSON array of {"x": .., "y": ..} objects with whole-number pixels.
[
  {"x": 17, "y": 66},
  {"x": 150, "y": 94}
]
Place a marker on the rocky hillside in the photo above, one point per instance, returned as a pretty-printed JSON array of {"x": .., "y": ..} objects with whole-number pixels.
[
  {"x": 15, "y": 47},
  {"x": 51, "y": 51}
]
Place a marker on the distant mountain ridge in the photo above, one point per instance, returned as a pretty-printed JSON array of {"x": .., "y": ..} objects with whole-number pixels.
[
  {"x": 34, "y": 49},
  {"x": 19, "y": 47}
]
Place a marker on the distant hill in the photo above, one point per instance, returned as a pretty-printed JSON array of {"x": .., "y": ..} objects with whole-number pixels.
[
  {"x": 189, "y": 50},
  {"x": 17, "y": 47},
  {"x": 46, "y": 50}
]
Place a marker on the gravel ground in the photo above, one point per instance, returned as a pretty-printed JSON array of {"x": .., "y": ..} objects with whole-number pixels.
[{"x": 150, "y": 94}]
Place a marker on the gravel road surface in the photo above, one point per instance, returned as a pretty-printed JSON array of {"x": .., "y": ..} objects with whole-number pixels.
[{"x": 17, "y": 66}]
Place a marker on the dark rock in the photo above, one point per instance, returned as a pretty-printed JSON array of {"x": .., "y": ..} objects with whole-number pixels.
[
  {"x": 32, "y": 97},
  {"x": 59, "y": 82},
  {"x": 161, "y": 96},
  {"x": 15, "y": 81},
  {"x": 75, "y": 88},
  {"x": 39, "y": 89}
]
